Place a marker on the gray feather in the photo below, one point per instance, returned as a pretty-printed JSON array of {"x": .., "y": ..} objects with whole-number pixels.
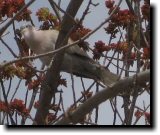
[{"x": 75, "y": 61}]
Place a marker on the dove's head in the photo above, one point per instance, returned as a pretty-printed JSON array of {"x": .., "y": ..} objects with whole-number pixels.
[
  {"x": 26, "y": 28},
  {"x": 27, "y": 31}
]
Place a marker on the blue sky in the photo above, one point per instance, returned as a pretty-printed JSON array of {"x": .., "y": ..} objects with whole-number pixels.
[{"x": 97, "y": 15}]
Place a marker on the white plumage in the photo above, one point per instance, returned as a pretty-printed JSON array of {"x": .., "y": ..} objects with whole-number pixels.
[{"x": 75, "y": 59}]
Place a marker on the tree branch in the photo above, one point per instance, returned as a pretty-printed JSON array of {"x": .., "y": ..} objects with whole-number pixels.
[
  {"x": 55, "y": 10},
  {"x": 103, "y": 95},
  {"x": 49, "y": 86}
]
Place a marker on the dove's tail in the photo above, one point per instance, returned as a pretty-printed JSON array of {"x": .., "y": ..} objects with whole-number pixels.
[{"x": 107, "y": 77}]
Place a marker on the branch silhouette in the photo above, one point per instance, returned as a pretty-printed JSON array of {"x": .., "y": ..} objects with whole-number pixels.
[
  {"x": 104, "y": 95},
  {"x": 50, "y": 84}
]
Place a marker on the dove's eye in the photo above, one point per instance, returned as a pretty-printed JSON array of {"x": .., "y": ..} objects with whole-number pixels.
[{"x": 28, "y": 26}]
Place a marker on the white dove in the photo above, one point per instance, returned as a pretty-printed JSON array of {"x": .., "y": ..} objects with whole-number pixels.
[{"x": 75, "y": 60}]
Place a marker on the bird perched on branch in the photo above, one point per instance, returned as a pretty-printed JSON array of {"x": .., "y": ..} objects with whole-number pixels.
[{"x": 75, "y": 60}]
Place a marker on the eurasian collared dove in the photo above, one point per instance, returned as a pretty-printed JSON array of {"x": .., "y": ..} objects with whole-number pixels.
[{"x": 75, "y": 60}]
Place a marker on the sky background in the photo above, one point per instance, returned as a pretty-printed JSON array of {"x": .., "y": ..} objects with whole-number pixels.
[{"x": 97, "y": 15}]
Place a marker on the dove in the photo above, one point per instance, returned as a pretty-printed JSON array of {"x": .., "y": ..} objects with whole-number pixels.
[{"x": 75, "y": 61}]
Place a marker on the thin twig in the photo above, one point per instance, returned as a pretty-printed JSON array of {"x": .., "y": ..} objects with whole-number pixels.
[
  {"x": 60, "y": 9},
  {"x": 85, "y": 12},
  {"x": 16, "y": 89},
  {"x": 97, "y": 108},
  {"x": 104, "y": 61},
  {"x": 73, "y": 90},
  {"x": 9, "y": 87},
  {"x": 7, "y": 46},
  {"x": 52, "y": 3},
  {"x": 62, "y": 103},
  {"x": 141, "y": 115},
  {"x": 6, "y": 102}
]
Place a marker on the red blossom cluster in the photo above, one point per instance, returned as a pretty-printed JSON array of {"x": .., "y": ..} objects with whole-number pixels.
[
  {"x": 36, "y": 104},
  {"x": 122, "y": 47},
  {"x": 10, "y": 7},
  {"x": 109, "y": 3},
  {"x": 130, "y": 58},
  {"x": 133, "y": 55},
  {"x": 62, "y": 81},
  {"x": 47, "y": 18},
  {"x": 124, "y": 18},
  {"x": 146, "y": 53},
  {"x": 35, "y": 83},
  {"x": 99, "y": 48},
  {"x": 79, "y": 32},
  {"x": 120, "y": 19},
  {"x": 19, "y": 69},
  {"x": 119, "y": 47},
  {"x": 8, "y": 72},
  {"x": 19, "y": 106},
  {"x": 147, "y": 116},
  {"x": 139, "y": 113},
  {"x": 87, "y": 94},
  {"x": 3, "y": 106},
  {"x": 50, "y": 117},
  {"x": 15, "y": 105},
  {"x": 111, "y": 29}
]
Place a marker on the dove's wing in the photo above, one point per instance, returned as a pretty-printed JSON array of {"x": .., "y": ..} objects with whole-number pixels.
[{"x": 74, "y": 50}]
